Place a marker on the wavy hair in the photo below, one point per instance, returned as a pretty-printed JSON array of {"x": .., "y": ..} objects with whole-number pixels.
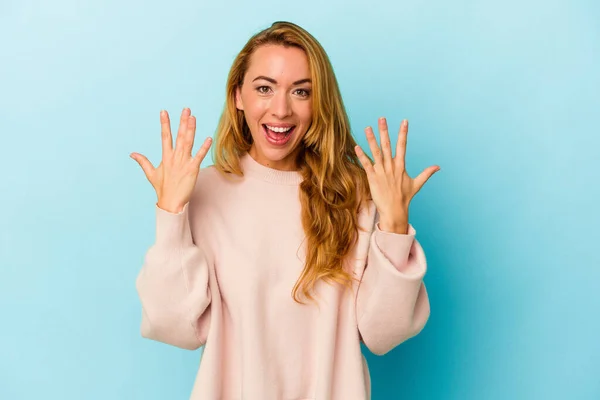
[{"x": 334, "y": 183}]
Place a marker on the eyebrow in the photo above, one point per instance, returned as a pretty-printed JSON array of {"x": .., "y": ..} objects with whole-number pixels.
[{"x": 273, "y": 81}]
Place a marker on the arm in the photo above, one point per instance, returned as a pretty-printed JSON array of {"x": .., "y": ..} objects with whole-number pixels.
[
  {"x": 173, "y": 285},
  {"x": 392, "y": 301}
]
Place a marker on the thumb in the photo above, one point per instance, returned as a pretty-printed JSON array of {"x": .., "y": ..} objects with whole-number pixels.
[
  {"x": 424, "y": 176},
  {"x": 144, "y": 163}
]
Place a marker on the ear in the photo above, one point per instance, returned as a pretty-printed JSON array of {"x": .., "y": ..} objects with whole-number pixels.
[{"x": 238, "y": 99}]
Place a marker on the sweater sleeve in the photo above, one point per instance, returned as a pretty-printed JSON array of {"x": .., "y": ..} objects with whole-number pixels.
[
  {"x": 173, "y": 285},
  {"x": 392, "y": 301}
]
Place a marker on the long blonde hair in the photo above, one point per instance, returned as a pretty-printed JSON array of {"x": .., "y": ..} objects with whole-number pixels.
[{"x": 334, "y": 183}]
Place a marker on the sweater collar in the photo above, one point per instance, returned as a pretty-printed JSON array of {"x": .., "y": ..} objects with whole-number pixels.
[{"x": 251, "y": 167}]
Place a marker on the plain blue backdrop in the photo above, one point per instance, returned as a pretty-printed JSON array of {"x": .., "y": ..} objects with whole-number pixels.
[{"x": 504, "y": 96}]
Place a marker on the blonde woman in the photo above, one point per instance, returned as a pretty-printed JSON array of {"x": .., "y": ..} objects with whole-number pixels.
[{"x": 294, "y": 247}]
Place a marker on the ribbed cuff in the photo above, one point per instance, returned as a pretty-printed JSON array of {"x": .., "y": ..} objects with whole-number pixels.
[
  {"x": 173, "y": 230},
  {"x": 396, "y": 248}
]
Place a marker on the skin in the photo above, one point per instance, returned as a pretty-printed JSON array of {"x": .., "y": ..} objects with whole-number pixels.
[
  {"x": 175, "y": 177},
  {"x": 392, "y": 188},
  {"x": 276, "y": 90}
]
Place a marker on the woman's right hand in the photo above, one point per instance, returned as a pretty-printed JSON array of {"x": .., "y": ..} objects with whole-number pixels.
[{"x": 174, "y": 179}]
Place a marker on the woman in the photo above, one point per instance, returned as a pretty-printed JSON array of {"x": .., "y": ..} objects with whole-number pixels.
[{"x": 293, "y": 247}]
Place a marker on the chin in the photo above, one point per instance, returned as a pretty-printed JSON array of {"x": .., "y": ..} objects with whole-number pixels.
[
  {"x": 276, "y": 154},
  {"x": 278, "y": 158}
]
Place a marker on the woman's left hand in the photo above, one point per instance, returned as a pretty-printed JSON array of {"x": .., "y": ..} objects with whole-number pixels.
[{"x": 391, "y": 187}]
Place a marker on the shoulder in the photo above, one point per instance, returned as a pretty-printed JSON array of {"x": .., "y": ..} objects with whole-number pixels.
[
  {"x": 213, "y": 177},
  {"x": 211, "y": 184},
  {"x": 207, "y": 174}
]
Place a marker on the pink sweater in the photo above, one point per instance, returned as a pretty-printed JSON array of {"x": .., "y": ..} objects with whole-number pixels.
[{"x": 220, "y": 275}]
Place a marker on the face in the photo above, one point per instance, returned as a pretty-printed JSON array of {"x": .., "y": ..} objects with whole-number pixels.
[{"x": 276, "y": 99}]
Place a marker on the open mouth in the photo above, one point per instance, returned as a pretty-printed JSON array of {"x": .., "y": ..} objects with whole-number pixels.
[{"x": 278, "y": 136}]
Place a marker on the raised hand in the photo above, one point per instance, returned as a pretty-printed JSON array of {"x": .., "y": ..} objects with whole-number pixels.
[
  {"x": 175, "y": 177},
  {"x": 391, "y": 187}
]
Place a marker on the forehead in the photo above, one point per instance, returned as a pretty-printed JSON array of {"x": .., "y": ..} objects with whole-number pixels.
[{"x": 284, "y": 64}]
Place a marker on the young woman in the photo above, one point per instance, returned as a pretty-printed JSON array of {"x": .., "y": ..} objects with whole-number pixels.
[{"x": 293, "y": 248}]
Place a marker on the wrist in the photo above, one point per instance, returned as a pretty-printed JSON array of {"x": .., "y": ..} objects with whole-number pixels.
[
  {"x": 174, "y": 209},
  {"x": 394, "y": 226}
]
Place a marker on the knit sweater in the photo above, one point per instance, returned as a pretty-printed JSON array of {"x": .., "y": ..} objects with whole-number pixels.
[{"x": 220, "y": 275}]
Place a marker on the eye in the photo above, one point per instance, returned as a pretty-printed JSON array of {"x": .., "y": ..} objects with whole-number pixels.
[
  {"x": 303, "y": 92},
  {"x": 263, "y": 89}
]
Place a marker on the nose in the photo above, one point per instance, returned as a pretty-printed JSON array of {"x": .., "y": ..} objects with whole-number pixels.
[{"x": 281, "y": 105}]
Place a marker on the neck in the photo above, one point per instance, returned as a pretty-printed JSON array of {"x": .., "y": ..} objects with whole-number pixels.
[{"x": 251, "y": 167}]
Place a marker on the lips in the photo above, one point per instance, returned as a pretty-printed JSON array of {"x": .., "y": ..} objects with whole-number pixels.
[{"x": 278, "y": 138}]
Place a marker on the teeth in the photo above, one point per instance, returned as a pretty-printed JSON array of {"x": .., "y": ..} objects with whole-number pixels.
[{"x": 280, "y": 130}]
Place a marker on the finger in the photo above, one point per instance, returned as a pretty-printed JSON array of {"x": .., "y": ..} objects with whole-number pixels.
[
  {"x": 181, "y": 132},
  {"x": 364, "y": 160},
  {"x": 203, "y": 151},
  {"x": 424, "y": 177},
  {"x": 146, "y": 165},
  {"x": 375, "y": 150},
  {"x": 190, "y": 135},
  {"x": 165, "y": 130},
  {"x": 401, "y": 146},
  {"x": 386, "y": 147}
]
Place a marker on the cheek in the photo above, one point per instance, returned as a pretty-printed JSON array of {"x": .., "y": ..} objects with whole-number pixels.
[
  {"x": 306, "y": 114},
  {"x": 255, "y": 110}
]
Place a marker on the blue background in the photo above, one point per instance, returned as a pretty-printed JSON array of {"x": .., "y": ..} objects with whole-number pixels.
[{"x": 504, "y": 96}]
